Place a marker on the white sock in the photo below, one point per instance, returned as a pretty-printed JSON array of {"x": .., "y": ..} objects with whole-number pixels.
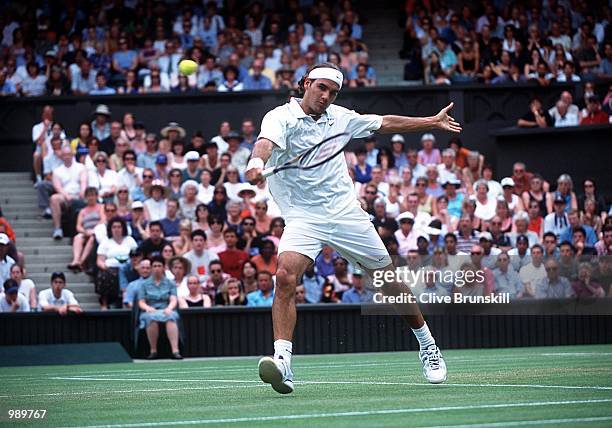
[
  {"x": 283, "y": 349},
  {"x": 424, "y": 336}
]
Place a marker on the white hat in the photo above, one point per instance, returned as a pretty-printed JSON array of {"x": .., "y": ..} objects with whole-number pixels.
[
  {"x": 405, "y": 215},
  {"x": 137, "y": 205},
  {"x": 521, "y": 215},
  {"x": 508, "y": 181},
  {"x": 451, "y": 180},
  {"x": 173, "y": 126},
  {"x": 103, "y": 110},
  {"x": 397, "y": 138},
  {"x": 428, "y": 136},
  {"x": 192, "y": 155},
  {"x": 245, "y": 188},
  {"x": 485, "y": 235},
  {"x": 424, "y": 236},
  {"x": 4, "y": 239},
  {"x": 187, "y": 183}
]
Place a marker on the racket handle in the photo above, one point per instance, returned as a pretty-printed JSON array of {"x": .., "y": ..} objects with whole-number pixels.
[{"x": 267, "y": 172}]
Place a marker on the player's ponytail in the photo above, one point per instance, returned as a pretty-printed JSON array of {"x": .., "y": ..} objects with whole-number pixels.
[{"x": 301, "y": 89}]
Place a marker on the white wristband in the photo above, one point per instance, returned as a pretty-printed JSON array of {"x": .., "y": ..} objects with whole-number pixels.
[{"x": 255, "y": 163}]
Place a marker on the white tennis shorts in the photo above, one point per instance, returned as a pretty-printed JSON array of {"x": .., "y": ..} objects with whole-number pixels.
[{"x": 352, "y": 235}]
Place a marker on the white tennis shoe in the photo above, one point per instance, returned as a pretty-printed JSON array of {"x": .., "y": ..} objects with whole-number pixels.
[
  {"x": 434, "y": 367},
  {"x": 277, "y": 373}
]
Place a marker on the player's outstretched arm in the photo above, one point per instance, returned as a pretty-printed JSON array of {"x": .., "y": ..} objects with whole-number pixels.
[
  {"x": 260, "y": 155},
  {"x": 392, "y": 124}
]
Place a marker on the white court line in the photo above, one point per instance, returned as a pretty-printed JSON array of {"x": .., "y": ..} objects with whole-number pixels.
[
  {"x": 573, "y": 354},
  {"x": 129, "y": 391},
  {"x": 339, "y": 382},
  {"x": 297, "y": 366},
  {"x": 523, "y": 423},
  {"x": 346, "y": 414},
  {"x": 179, "y": 369}
]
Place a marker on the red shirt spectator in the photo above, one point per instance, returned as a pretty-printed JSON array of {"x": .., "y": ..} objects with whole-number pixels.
[
  {"x": 595, "y": 116},
  {"x": 232, "y": 258}
]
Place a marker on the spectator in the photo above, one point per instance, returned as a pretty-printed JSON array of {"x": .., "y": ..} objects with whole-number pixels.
[
  {"x": 256, "y": 80},
  {"x": 112, "y": 253},
  {"x": 192, "y": 171},
  {"x": 179, "y": 270},
  {"x": 102, "y": 178},
  {"x": 567, "y": 75},
  {"x": 89, "y": 217},
  {"x": 506, "y": 278},
  {"x": 521, "y": 228},
  {"x": 267, "y": 259},
  {"x": 406, "y": 236},
  {"x": 214, "y": 235},
  {"x": 130, "y": 292},
  {"x": 590, "y": 193},
  {"x": 100, "y": 127},
  {"x": 536, "y": 221},
  {"x": 534, "y": 272},
  {"x": 536, "y": 117},
  {"x": 428, "y": 154},
  {"x": 240, "y": 155},
  {"x": 33, "y": 83},
  {"x": 170, "y": 223},
  {"x": 466, "y": 238},
  {"x": 564, "y": 190},
  {"x": 588, "y": 57},
  {"x": 579, "y": 241},
  {"x": 7, "y": 87},
  {"x": 595, "y": 115},
  {"x": 101, "y": 88},
  {"x": 489, "y": 252},
  {"x": 586, "y": 286},
  {"x": 182, "y": 245},
  {"x": 11, "y": 300},
  {"x": 230, "y": 82},
  {"x": 69, "y": 183},
  {"x": 361, "y": 79},
  {"x": 195, "y": 298},
  {"x": 232, "y": 258},
  {"x": 83, "y": 79},
  {"x": 265, "y": 293},
  {"x": 26, "y": 286},
  {"x": 562, "y": 117},
  {"x": 357, "y": 293},
  {"x": 521, "y": 177},
  {"x": 553, "y": 286},
  {"x": 249, "y": 277},
  {"x": 201, "y": 218},
  {"x": 157, "y": 301},
  {"x": 128, "y": 272},
  {"x": 520, "y": 255},
  {"x": 156, "y": 205},
  {"x": 200, "y": 257},
  {"x": 485, "y": 205},
  {"x": 604, "y": 245},
  {"x": 573, "y": 218},
  {"x": 57, "y": 298},
  {"x": 131, "y": 85}
]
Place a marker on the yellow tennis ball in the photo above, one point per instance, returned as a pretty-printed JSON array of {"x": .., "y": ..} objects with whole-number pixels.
[{"x": 188, "y": 67}]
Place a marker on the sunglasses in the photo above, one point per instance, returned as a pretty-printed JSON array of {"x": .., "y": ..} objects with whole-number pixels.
[
  {"x": 215, "y": 271},
  {"x": 370, "y": 192},
  {"x": 147, "y": 176},
  {"x": 129, "y": 158},
  {"x": 110, "y": 211},
  {"x": 175, "y": 175},
  {"x": 217, "y": 192},
  {"x": 216, "y": 222},
  {"x": 248, "y": 223},
  {"x": 476, "y": 253},
  {"x": 122, "y": 191},
  {"x": 100, "y": 161}
]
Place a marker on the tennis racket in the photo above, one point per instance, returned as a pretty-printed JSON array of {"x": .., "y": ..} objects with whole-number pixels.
[{"x": 317, "y": 155}]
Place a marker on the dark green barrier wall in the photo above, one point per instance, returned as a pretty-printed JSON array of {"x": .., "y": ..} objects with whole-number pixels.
[{"x": 322, "y": 329}]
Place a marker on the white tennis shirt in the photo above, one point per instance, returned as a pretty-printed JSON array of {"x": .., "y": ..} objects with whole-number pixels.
[{"x": 327, "y": 190}]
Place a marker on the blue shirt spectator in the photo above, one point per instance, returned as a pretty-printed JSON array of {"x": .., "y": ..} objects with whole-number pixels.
[
  {"x": 127, "y": 274},
  {"x": 6, "y": 86},
  {"x": 257, "y": 298},
  {"x": 83, "y": 79},
  {"x": 147, "y": 160},
  {"x": 257, "y": 83},
  {"x": 354, "y": 295},
  {"x": 124, "y": 58},
  {"x": 363, "y": 176},
  {"x": 313, "y": 285}
]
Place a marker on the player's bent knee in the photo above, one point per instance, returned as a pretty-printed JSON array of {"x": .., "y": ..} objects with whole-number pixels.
[{"x": 285, "y": 279}]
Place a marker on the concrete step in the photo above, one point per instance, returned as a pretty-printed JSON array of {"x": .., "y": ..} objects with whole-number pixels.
[
  {"x": 40, "y": 232},
  {"x": 33, "y": 255},
  {"x": 40, "y": 266},
  {"x": 31, "y": 214},
  {"x": 18, "y": 198},
  {"x": 43, "y": 277},
  {"x": 32, "y": 224}
]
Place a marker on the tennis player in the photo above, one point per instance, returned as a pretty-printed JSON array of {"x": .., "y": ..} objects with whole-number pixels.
[{"x": 319, "y": 207}]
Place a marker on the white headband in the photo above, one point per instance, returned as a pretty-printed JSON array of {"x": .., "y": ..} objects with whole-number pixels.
[{"x": 327, "y": 73}]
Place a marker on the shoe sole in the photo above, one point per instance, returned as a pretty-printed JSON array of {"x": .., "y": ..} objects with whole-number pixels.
[{"x": 269, "y": 373}]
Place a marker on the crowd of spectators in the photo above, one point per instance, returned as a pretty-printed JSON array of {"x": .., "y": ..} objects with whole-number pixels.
[
  {"x": 506, "y": 42},
  {"x": 129, "y": 47},
  {"x": 130, "y": 197},
  {"x": 588, "y": 111}
]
